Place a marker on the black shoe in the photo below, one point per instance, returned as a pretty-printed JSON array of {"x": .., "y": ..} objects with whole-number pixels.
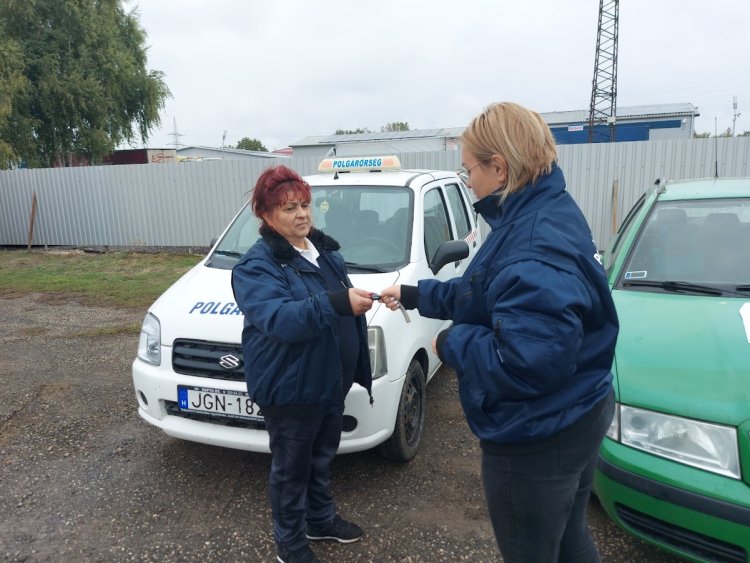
[
  {"x": 301, "y": 555},
  {"x": 338, "y": 530}
]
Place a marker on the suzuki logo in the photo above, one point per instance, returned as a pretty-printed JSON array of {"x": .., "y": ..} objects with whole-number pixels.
[{"x": 229, "y": 362}]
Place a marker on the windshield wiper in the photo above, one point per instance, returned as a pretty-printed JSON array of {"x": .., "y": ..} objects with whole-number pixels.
[
  {"x": 675, "y": 286},
  {"x": 230, "y": 253},
  {"x": 376, "y": 269}
]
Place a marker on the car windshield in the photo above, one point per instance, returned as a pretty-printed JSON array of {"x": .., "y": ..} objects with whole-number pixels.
[
  {"x": 371, "y": 223},
  {"x": 704, "y": 242}
]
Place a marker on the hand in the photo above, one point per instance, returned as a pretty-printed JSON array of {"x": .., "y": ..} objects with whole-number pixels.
[
  {"x": 391, "y": 297},
  {"x": 360, "y": 301},
  {"x": 434, "y": 345}
]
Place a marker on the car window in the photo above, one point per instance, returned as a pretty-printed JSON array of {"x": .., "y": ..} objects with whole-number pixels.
[
  {"x": 460, "y": 213},
  {"x": 696, "y": 241},
  {"x": 236, "y": 241},
  {"x": 622, "y": 232},
  {"x": 436, "y": 224},
  {"x": 371, "y": 223}
]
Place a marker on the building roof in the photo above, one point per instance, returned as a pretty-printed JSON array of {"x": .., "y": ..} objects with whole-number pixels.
[
  {"x": 552, "y": 118},
  {"x": 630, "y": 112},
  {"x": 263, "y": 154},
  {"x": 452, "y": 132}
]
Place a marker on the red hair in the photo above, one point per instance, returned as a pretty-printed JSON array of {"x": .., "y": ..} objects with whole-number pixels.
[{"x": 273, "y": 187}]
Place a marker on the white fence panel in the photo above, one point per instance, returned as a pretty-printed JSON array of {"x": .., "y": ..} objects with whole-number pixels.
[{"x": 187, "y": 204}]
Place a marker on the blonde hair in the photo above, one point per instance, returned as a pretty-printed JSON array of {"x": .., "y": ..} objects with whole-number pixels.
[{"x": 518, "y": 135}]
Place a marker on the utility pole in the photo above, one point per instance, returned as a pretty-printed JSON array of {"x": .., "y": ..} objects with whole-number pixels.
[
  {"x": 603, "y": 107},
  {"x": 176, "y": 135},
  {"x": 736, "y": 113}
]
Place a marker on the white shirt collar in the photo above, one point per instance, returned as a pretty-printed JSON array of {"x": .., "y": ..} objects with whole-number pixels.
[{"x": 310, "y": 253}]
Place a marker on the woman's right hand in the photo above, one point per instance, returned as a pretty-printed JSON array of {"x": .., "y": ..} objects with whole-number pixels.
[
  {"x": 360, "y": 301},
  {"x": 391, "y": 297}
]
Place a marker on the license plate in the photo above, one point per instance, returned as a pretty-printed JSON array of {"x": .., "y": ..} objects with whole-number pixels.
[{"x": 217, "y": 402}]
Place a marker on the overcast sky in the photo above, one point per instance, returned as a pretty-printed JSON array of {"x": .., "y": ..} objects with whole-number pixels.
[{"x": 280, "y": 71}]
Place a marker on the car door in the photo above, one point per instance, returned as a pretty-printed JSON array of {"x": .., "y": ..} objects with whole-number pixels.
[
  {"x": 464, "y": 218},
  {"x": 439, "y": 227}
]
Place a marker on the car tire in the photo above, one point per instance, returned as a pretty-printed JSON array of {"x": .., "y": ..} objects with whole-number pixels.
[{"x": 407, "y": 432}]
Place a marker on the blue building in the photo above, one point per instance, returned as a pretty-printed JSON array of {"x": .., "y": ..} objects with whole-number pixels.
[{"x": 634, "y": 123}]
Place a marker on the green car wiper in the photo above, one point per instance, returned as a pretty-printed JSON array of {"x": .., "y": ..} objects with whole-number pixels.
[{"x": 675, "y": 286}]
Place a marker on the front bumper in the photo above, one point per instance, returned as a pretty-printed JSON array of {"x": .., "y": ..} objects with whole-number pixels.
[
  {"x": 696, "y": 514},
  {"x": 156, "y": 393}
]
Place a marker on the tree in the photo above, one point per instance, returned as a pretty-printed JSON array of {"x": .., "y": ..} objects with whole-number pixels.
[
  {"x": 395, "y": 126},
  {"x": 352, "y": 131},
  {"x": 12, "y": 83},
  {"x": 744, "y": 134},
  {"x": 251, "y": 145},
  {"x": 701, "y": 135},
  {"x": 85, "y": 88}
]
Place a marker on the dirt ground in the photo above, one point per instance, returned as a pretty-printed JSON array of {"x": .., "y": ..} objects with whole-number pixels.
[{"x": 82, "y": 478}]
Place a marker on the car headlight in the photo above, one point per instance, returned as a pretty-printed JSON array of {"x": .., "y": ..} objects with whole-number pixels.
[
  {"x": 711, "y": 447},
  {"x": 149, "y": 344},
  {"x": 376, "y": 343},
  {"x": 614, "y": 427}
]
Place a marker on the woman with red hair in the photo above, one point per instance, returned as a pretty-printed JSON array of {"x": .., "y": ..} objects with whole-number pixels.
[{"x": 304, "y": 344}]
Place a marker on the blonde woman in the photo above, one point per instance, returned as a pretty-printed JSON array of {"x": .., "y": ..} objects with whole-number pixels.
[{"x": 532, "y": 341}]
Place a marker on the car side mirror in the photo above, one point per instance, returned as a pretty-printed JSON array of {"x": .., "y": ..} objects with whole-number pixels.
[{"x": 451, "y": 251}]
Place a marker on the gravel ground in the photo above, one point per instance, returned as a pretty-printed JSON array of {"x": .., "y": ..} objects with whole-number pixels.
[{"x": 82, "y": 478}]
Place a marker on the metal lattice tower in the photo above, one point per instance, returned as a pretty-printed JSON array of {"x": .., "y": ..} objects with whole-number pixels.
[
  {"x": 603, "y": 108},
  {"x": 176, "y": 135}
]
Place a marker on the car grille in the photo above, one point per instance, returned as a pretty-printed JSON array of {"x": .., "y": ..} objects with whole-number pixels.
[
  {"x": 688, "y": 541},
  {"x": 203, "y": 359},
  {"x": 174, "y": 410}
]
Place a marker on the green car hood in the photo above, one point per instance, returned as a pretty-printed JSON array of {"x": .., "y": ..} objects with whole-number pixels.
[{"x": 683, "y": 354}]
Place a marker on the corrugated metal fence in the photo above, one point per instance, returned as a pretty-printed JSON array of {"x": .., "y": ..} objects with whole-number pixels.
[{"x": 185, "y": 205}]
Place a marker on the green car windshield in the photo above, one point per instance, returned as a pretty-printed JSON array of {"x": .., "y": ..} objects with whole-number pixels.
[
  {"x": 371, "y": 223},
  {"x": 703, "y": 242}
]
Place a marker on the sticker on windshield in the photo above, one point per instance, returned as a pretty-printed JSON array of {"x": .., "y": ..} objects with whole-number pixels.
[
  {"x": 745, "y": 315},
  {"x": 638, "y": 274}
]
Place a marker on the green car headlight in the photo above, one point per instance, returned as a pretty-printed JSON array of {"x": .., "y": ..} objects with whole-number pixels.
[
  {"x": 711, "y": 447},
  {"x": 376, "y": 343}
]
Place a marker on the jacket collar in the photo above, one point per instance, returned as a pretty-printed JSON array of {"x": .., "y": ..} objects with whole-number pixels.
[
  {"x": 283, "y": 251},
  {"x": 529, "y": 198}
]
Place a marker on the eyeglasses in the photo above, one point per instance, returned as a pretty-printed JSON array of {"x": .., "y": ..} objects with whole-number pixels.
[{"x": 465, "y": 173}]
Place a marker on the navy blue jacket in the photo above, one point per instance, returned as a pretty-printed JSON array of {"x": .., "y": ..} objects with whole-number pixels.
[
  {"x": 534, "y": 324},
  {"x": 290, "y": 339}
]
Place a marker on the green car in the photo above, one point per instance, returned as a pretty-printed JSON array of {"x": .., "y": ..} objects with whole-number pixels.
[{"x": 674, "y": 469}]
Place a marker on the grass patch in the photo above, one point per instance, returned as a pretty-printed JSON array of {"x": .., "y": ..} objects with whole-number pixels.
[
  {"x": 112, "y": 330},
  {"x": 112, "y": 279}
]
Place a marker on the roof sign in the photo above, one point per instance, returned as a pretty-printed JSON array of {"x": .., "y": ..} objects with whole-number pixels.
[{"x": 359, "y": 164}]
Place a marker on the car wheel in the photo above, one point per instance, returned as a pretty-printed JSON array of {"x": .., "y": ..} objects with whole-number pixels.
[{"x": 407, "y": 433}]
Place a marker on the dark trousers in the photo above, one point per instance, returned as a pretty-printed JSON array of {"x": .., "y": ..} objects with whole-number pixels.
[
  {"x": 299, "y": 485},
  {"x": 537, "y": 494}
]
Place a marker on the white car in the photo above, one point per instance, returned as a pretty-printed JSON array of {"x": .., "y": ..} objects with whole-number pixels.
[{"x": 395, "y": 227}]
